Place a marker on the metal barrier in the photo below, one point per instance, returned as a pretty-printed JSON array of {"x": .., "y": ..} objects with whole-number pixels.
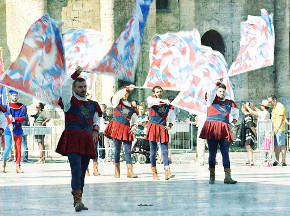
[
  {"x": 265, "y": 140},
  {"x": 52, "y": 135}
]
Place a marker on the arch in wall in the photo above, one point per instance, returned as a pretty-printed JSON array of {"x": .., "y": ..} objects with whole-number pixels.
[{"x": 214, "y": 40}]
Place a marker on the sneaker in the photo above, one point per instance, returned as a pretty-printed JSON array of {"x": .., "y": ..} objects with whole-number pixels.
[
  {"x": 275, "y": 163},
  {"x": 284, "y": 164}
]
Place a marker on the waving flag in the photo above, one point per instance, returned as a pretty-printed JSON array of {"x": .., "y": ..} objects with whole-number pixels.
[
  {"x": 178, "y": 61},
  {"x": 39, "y": 69},
  {"x": 257, "y": 44},
  {"x": 174, "y": 57},
  {"x": 122, "y": 58},
  {"x": 83, "y": 48}
]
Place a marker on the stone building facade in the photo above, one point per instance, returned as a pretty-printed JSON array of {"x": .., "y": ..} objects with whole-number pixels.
[{"x": 218, "y": 22}]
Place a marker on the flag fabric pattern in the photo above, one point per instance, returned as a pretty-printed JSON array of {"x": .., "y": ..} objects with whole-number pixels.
[
  {"x": 178, "y": 61},
  {"x": 83, "y": 47},
  {"x": 3, "y": 90},
  {"x": 257, "y": 44},
  {"x": 209, "y": 69},
  {"x": 1, "y": 62},
  {"x": 121, "y": 60},
  {"x": 40, "y": 67}
]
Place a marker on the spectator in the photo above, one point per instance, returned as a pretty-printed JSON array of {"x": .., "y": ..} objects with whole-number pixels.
[
  {"x": 24, "y": 141},
  {"x": 263, "y": 115},
  {"x": 248, "y": 133},
  {"x": 109, "y": 145},
  {"x": 40, "y": 120},
  {"x": 192, "y": 119},
  {"x": 278, "y": 118}
]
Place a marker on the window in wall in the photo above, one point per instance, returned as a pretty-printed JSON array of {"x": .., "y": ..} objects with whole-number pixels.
[
  {"x": 214, "y": 40},
  {"x": 162, "y": 5}
]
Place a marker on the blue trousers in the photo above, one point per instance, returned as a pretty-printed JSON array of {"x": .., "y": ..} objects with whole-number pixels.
[
  {"x": 127, "y": 147},
  {"x": 164, "y": 152},
  {"x": 212, "y": 148},
  {"x": 25, "y": 149},
  {"x": 78, "y": 165}
]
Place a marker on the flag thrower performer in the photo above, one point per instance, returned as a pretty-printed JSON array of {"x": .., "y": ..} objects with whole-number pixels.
[
  {"x": 217, "y": 128},
  {"x": 77, "y": 142},
  {"x": 15, "y": 117},
  {"x": 119, "y": 128},
  {"x": 157, "y": 130}
]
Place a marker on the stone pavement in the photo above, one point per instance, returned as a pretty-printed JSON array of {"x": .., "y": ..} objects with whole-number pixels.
[{"x": 44, "y": 189}]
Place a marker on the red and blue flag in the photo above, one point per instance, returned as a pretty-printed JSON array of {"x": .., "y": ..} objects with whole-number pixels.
[
  {"x": 39, "y": 70},
  {"x": 83, "y": 47},
  {"x": 256, "y": 45},
  {"x": 121, "y": 60}
]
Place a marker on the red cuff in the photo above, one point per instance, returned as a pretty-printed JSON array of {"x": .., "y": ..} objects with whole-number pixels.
[
  {"x": 127, "y": 89},
  {"x": 217, "y": 83},
  {"x": 74, "y": 75},
  {"x": 170, "y": 125},
  {"x": 19, "y": 119},
  {"x": 2, "y": 130}
]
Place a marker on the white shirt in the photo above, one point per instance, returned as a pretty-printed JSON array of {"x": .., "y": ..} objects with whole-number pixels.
[
  {"x": 153, "y": 101},
  {"x": 66, "y": 95},
  {"x": 211, "y": 94},
  {"x": 116, "y": 100},
  {"x": 263, "y": 115}
]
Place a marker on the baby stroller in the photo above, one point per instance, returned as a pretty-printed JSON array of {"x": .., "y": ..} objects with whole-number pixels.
[{"x": 141, "y": 151}]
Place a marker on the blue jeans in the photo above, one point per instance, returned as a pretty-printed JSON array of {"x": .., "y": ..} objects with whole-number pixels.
[
  {"x": 127, "y": 147},
  {"x": 24, "y": 146},
  {"x": 279, "y": 138},
  {"x": 164, "y": 152},
  {"x": 78, "y": 165},
  {"x": 212, "y": 148}
]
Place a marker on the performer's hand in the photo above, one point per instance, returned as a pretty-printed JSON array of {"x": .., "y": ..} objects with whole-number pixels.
[
  {"x": 10, "y": 127},
  {"x": 131, "y": 87},
  {"x": 11, "y": 117},
  {"x": 79, "y": 70},
  {"x": 166, "y": 101},
  {"x": 95, "y": 136},
  {"x": 133, "y": 130}
]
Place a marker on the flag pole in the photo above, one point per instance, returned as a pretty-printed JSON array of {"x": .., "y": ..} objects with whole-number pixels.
[{"x": 8, "y": 106}]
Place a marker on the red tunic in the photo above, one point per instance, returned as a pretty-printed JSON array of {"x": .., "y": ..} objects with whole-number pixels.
[
  {"x": 77, "y": 136},
  {"x": 119, "y": 127},
  {"x": 157, "y": 121},
  {"x": 216, "y": 126}
]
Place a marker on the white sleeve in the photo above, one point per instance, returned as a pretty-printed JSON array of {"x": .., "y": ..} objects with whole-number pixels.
[
  {"x": 171, "y": 116},
  {"x": 234, "y": 113},
  {"x": 117, "y": 97},
  {"x": 66, "y": 93},
  {"x": 153, "y": 101},
  {"x": 211, "y": 94},
  {"x": 97, "y": 119},
  {"x": 135, "y": 119}
]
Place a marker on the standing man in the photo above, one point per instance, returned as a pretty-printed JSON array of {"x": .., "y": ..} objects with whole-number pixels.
[
  {"x": 157, "y": 130},
  {"x": 15, "y": 116},
  {"x": 216, "y": 129},
  {"x": 120, "y": 131},
  {"x": 278, "y": 118},
  {"x": 82, "y": 118}
]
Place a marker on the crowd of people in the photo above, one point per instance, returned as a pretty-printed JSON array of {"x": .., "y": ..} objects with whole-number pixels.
[{"x": 125, "y": 126}]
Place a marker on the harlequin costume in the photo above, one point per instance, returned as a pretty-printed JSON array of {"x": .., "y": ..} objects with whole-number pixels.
[
  {"x": 18, "y": 112},
  {"x": 120, "y": 131},
  {"x": 216, "y": 130},
  {"x": 81, "y": 117},
  {"x": 156, "y": 132}
]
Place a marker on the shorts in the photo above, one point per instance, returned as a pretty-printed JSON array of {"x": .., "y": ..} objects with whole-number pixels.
[{"x": 279, "y": 138}]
